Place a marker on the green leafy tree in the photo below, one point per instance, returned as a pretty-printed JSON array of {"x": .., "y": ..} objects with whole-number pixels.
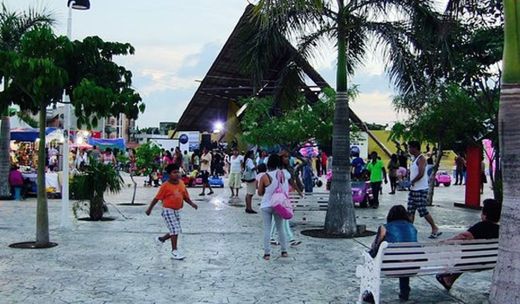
[
  {"x": 292, "y": 126},
  {"x": 349, "y": 24},
  {"x": 146, "y": 155},
  {"x": 44, "y": 66},
  {"x": 13, "y": 25},
  {"x": 462, "y": 49},
  {"x": 436, "y": 124}
]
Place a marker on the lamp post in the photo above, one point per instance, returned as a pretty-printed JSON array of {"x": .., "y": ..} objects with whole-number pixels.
[{"x": 65, "y": 204}]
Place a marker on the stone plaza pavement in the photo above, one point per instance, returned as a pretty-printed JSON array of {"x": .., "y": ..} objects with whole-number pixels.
[{"x": 116, "y": 262}]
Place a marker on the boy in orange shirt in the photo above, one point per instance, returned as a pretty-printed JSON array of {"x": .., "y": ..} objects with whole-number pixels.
[{"x": 172, "y": 194}]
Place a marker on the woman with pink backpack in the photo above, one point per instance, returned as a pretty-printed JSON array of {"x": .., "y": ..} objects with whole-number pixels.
[{"x": 274, "y": 183}]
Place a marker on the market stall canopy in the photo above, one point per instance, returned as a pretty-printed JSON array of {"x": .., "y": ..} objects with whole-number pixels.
[
  {"x": 28, "y": 134},
  {"x": 111, "y": 143}
]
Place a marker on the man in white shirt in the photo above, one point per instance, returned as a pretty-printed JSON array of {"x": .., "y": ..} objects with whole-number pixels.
[
  {"x": 235, "y": 167},
  {"x": 418, "y": 194},
  {"x": 205, "y": 169}
]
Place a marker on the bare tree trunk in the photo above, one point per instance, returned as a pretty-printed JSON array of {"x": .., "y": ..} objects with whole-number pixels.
[
  {"x": 135, "y": 185},
  {"x": 42, "y": 215},
  {"x": 431, "y": 181},
  {"x": 340, "y": 218},
  {"x": 5, "y": 139},
  {"x": 506, "y": 285}
]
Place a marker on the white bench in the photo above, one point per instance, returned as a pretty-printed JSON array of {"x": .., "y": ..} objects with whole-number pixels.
[
  {"x": 395, "y": 260},
  {"x": 310, "y": 202}
]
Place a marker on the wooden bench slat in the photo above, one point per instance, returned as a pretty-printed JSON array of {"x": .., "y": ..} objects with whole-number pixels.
[
  {"x": 436, "y": 270},
  {"x": 440, "y": 249},
  {"x": 442, "y": 243},
  {"x": 440, "y": 256},
  {"x": 449, "y": 263}
]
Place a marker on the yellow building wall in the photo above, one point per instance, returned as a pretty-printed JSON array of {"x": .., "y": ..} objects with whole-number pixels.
[{"x": 447, "y": 161}]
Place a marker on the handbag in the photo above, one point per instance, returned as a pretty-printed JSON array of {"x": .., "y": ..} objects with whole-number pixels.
[
  {"x": 280, "y": 201},
  {"x": 248, "y": 175}
]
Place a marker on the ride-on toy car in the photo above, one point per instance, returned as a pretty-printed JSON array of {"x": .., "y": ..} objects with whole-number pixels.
[
  {"x": 442, "y": 177},
  {"x": 361, "y": 191}
]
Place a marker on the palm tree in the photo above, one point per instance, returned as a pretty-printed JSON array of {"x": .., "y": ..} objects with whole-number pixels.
[
  {"x": 12, "y": 27},
  {"x": 505, "y": 278},
  {"x": 349, "y": 24}
]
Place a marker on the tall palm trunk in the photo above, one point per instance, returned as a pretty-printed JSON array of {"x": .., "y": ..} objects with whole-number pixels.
[
  {"x": 340, "y": 218},
  {"x": 42, "y": 216},
  {"x": 505, "y": 278},
  {"x": 5, "y": 190},
  {"x": 431, "y": 180}
]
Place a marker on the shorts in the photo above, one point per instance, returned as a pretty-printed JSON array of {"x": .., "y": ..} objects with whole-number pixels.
[
  {"x": 251, "y": 188},
  {"x": 172, "y": 218},
  {"x": 234, "y": 180},
  {"x": 417, "y": 201},
  {"x": 204, "y": 175}
]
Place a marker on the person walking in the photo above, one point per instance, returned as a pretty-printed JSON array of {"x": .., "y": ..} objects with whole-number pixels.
[
  {"x": 377, "y": 172},
  {"x": 172, "y": 194},
  {"x": 393, "y": 166},
  {"x": 398, "y": 229},
  {"x": 205, "y": 169},
  {"x": 460, "y": 165},
  {"x": 235, "y": 165},
  {"x": 186, "y": 162},
  {"x": 266, "y": 188},
  {"x": 250, "y": 180},
  {"x": 417, "y": 197},
  {"x": 285, "y": 166}
]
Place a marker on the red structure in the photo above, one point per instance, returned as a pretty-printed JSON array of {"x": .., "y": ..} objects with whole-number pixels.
[{"x": 473, "y": 176}]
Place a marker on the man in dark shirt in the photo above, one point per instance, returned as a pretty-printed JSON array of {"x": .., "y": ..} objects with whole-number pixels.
[{"x": 486, "y": 229}]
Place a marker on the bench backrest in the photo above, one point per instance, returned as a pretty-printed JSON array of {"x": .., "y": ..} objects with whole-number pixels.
[
  {"x": 409, "y": 259},
  {"x": 311, "y": 200}
]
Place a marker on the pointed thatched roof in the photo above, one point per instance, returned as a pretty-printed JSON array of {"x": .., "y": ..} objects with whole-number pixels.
[{"x": 226, "y": 82}]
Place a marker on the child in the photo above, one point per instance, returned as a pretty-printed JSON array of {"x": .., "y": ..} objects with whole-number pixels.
[{"x": 172, "y": 194}]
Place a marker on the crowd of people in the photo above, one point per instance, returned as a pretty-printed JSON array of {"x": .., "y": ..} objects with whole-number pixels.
[{"x": 266, "y": 174}]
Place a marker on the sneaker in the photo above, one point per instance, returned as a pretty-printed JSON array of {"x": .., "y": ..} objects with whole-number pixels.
[
  {"x": 211, "y": 192},
  {"x": 294, "y": 243},
  {"x": 274, "y": 242},
  {"x": 435, "y": 235},
  {"x": 176, "y": 255},
  {"x": 251, "y": 211},
  {"x": 158, "y": 243},
  {"x": 202, "y": 194}
]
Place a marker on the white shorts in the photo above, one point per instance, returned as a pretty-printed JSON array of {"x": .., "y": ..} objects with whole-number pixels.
[
  {"x": 251, "y": 188},
  {"x": 234, "y": 180}
]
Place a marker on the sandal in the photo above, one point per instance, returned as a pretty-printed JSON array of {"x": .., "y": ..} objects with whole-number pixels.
[
  {"x": 284, "y": 254},
  {"x": 267, "y": 257},
  {"x": 440, "y": 279}
]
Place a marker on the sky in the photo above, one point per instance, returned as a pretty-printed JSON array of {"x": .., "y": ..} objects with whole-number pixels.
[{"x": 176, "y": 42}]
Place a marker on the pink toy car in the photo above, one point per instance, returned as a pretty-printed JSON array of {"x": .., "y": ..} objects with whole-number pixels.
[
  {"x": 442, "y": 177},
  {"x": 361, "y": 191}
]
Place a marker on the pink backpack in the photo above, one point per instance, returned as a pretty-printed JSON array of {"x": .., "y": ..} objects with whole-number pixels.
[{"x": 280, "y": 201}]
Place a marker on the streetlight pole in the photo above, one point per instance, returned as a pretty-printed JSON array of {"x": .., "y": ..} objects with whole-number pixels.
[{"x": 65, "y": 203}]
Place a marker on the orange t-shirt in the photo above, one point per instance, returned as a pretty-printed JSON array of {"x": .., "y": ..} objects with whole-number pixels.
[{"x": 172, "y": 195}]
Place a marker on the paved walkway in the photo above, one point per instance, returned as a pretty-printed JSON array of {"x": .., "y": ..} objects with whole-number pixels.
[{"x": 115, "y": 262}]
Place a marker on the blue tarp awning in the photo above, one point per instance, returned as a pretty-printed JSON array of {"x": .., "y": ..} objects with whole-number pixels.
[
  {"x": 28, "y": 134},
  {"x": 112, "y": 143}
]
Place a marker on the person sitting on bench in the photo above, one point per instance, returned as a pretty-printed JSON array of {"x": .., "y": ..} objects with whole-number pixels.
[
  {"x": 398, "y": 229},
  {"x": 485, "y": 229}
]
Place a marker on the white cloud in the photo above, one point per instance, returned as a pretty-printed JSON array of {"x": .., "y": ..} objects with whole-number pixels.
[{"x": 376, "y": 107}]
